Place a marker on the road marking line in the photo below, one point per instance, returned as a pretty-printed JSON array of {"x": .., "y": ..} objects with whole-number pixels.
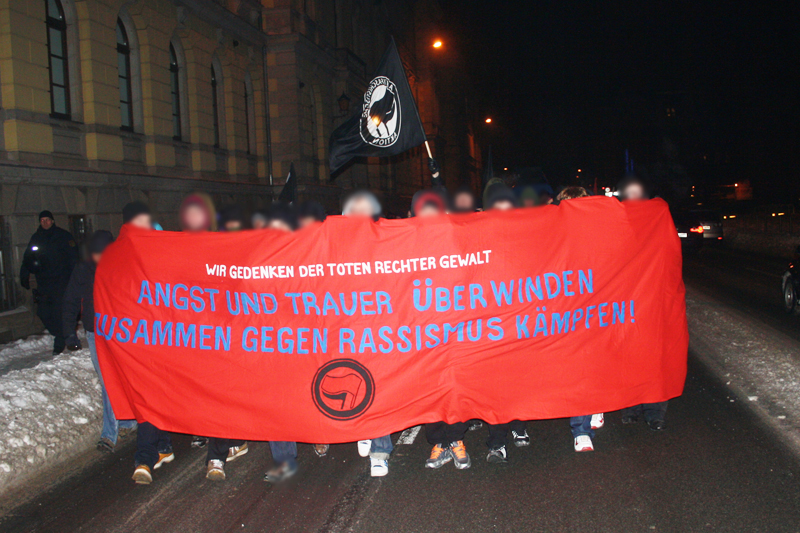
[{"x": 408, "y": 436}]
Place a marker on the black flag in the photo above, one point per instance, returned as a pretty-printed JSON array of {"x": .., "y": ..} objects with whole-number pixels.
[
  {"x": 387, "y": 123},
  {"x": 289, "y": 191}
]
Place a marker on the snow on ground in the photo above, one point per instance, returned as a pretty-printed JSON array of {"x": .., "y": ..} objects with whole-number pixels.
[
  {"x": 49, "y": 412},
  {"x": 759, "y": 364}
]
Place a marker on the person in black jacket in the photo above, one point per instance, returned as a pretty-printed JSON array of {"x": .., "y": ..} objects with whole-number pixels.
[
  {"x": 50, "y": 256},
  {"x": 79, "y": 302}
]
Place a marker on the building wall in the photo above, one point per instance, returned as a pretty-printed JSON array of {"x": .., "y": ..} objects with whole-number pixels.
[{"x": 86, "y": 167}]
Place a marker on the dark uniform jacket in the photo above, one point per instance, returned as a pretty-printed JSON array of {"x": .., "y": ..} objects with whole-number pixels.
[
  {"x": 50, "y": 256},
  {"x": 79, "y": 299}
]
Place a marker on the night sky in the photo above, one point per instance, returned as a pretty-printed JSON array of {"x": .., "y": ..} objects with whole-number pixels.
[{"x": 573, "y": 84}]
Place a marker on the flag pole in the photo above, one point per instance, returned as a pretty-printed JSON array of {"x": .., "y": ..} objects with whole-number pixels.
[{"x": 428, "y": 146}]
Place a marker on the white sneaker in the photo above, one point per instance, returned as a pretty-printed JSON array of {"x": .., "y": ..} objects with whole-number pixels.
[
  {"x": 363, "y": 447},
  {"x": 379, "y": 467},
  {"x": 598, "y": 421},
  {"x": 583, "y": 443}
]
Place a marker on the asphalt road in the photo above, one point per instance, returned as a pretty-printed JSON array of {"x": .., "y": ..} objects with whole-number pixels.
[{"x": 716, "y": 468}]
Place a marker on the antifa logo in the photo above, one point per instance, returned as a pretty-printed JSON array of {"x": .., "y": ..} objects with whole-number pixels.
[
  {"x": 343, "y": 389},
  {"x": 380, "y": 119}
]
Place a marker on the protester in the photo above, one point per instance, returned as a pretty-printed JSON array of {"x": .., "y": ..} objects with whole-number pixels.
[
  {"x": 365, "y": 204},
  {"x": 197, "y": 213},
  {"x": 282, "y": 217},
  {"x": 528, "y": 197},
  {"x": 311, "y": 212},
  {"x": 427, "y": 203},
  {"x": 362, "y": 203},
  {"x": 631, "y": 187},
  {"x": 498, "y": 196},
  {"x": 463, "y": 200},
  {"x": 79, "y": 302},
  {"x": 137, "y": 214},
  {"x": 545, "y": 192},
  {"x": 231, "y": 218},
  {"x": 50, "y": 256},
  {"x": 570, "y": 193},
  {"x": 259, "y": 220}
]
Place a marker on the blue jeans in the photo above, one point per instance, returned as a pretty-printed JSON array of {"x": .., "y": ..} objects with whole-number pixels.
[
  {"x": 284, "y": 452},
  {"x": 381, "y": 448},
  {"x": 110, "y": 424},
  {"x": 581, "y": 425}
]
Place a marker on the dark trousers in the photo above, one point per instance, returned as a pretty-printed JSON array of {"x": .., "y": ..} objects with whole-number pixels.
[
  {"x": 443, "y": 434},
  {"x": 48, "y": 309},
  {"x": 651, "y": 411},
  {"x": 150, "y": 441},
  {"x": 218, "y": 448},
  {"x": 498, "y": 433}
]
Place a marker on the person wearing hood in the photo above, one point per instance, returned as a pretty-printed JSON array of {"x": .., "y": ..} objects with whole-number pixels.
[
  {"x": 528, "y": 197},
  {"x": 311, "y": 212},
  {"x": 79, "y": 302},
  {"x": 545, "y": 192},
  {"x": 50, "y": 256},
  {"x": 428, "y": 202},
  {"x": 364, "y": 204},
  {"x": 197, "y": 213}
]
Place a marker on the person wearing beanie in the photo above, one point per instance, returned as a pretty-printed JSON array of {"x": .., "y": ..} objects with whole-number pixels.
[
  {"x": 499, "y": 196},
  {"x": 79, "y": 301},
  {"x": 528, "y": 197},
  {"x": 311, "y": 212},
  {"x": 282, "y": 217},
  {"x": 137, "y": 214},
  {"x": 50, "y": 256},
  {"x": 197, "y": 213},
  {"x": 427, "y": 203},
  {"x": 231, "y": 218}
]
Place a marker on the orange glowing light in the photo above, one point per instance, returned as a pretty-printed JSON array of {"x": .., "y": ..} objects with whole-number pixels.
[
  {"x": 488, "y": 120},
  {"x": 437, "y": 44}
]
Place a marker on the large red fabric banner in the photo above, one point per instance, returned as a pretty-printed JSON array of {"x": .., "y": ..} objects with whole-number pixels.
[{"x": 355, "y": 329}]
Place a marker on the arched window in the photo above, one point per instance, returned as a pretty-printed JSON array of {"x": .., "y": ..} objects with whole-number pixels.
[
  {"x": 58, "y": 62},
  {"x": 124, "y": 74},
  {"x": 175, "y": 90},
  {"x": 215, "y": 105}
]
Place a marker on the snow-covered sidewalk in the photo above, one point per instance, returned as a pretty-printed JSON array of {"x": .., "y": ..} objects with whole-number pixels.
[
  {"x": 49, "y": 413},
  {"x": 758, "y": 363}
]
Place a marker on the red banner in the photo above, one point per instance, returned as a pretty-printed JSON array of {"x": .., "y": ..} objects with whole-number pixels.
[{"x": 355, "y": 329}]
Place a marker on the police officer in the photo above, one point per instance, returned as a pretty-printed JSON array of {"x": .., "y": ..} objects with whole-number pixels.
[{"x": 50, "y": 256}]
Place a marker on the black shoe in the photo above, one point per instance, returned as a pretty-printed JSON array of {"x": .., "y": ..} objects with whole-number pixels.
[
  {"x": 630, "y": 419},
  {"x": 657, "y": 425},
  {"x": 199, "y": 442},
  {"x": 474, "y": 425},
  {"x": 56, "y": 351},
  {"x": 105, "y": 445},
  {"x": 497, "y": 455}
]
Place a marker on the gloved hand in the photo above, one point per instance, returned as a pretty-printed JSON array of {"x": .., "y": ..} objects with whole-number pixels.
[
  {"x": 25, "y": 282},
  {"x": 433, "y": 166},
  {"x": 73, "y": 343}
]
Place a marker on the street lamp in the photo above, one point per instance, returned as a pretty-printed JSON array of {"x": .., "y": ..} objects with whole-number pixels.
[
  {"x": 489, "y": 120},
  {"x": 437, "y": 43}
]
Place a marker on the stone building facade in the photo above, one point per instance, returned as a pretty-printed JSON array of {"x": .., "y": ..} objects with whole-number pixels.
[{"x": 107, "y": 101}]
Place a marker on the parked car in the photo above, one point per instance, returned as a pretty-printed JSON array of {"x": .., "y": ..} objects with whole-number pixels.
[
  {"x": 791, "y": 284},
  {"x": 712, "y": 224},
  {"x": 690, "y": 231}
]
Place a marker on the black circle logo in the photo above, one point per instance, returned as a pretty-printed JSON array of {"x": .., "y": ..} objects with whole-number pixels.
[{"x": 343, "y": 389}]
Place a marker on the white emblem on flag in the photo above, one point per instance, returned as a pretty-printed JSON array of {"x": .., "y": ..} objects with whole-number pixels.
[{"x": 380, "y": 119}]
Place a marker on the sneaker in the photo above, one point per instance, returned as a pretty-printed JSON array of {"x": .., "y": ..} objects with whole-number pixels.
[
  {"x": 378, "y": 467},
  {"x": 163, "y": 458},
  {"x": 497, "y": 455},
  {"x": 474, "y": 425},
  {"x": 199, "y": 442},
  {"x": 439, "y": 457},
  {"x": 281, "y": 472},
  {"x": 105, "y": 445},
  {"x": 521, "y": 439},
  {"x": 459, "y": 454},
  {"x": 657, "y": 425},
  {"x": 364, "y": 447},
  {"x": 583, "y": 443},
  {"x": 142, "y": 475},
  {"x": 322, "y": 449},
  {"x": 598, "y": 421},
  {"x": 216, "y": 470},
  {"x": 234, "y": 452}
]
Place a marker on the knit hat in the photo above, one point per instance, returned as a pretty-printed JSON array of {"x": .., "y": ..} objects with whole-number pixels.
[
  {"x": 46, "y": 214},
  {"x": 133, "y": 210},
  {"x": 498, "y": 192},
  {"x": 427, "y": 197}
]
